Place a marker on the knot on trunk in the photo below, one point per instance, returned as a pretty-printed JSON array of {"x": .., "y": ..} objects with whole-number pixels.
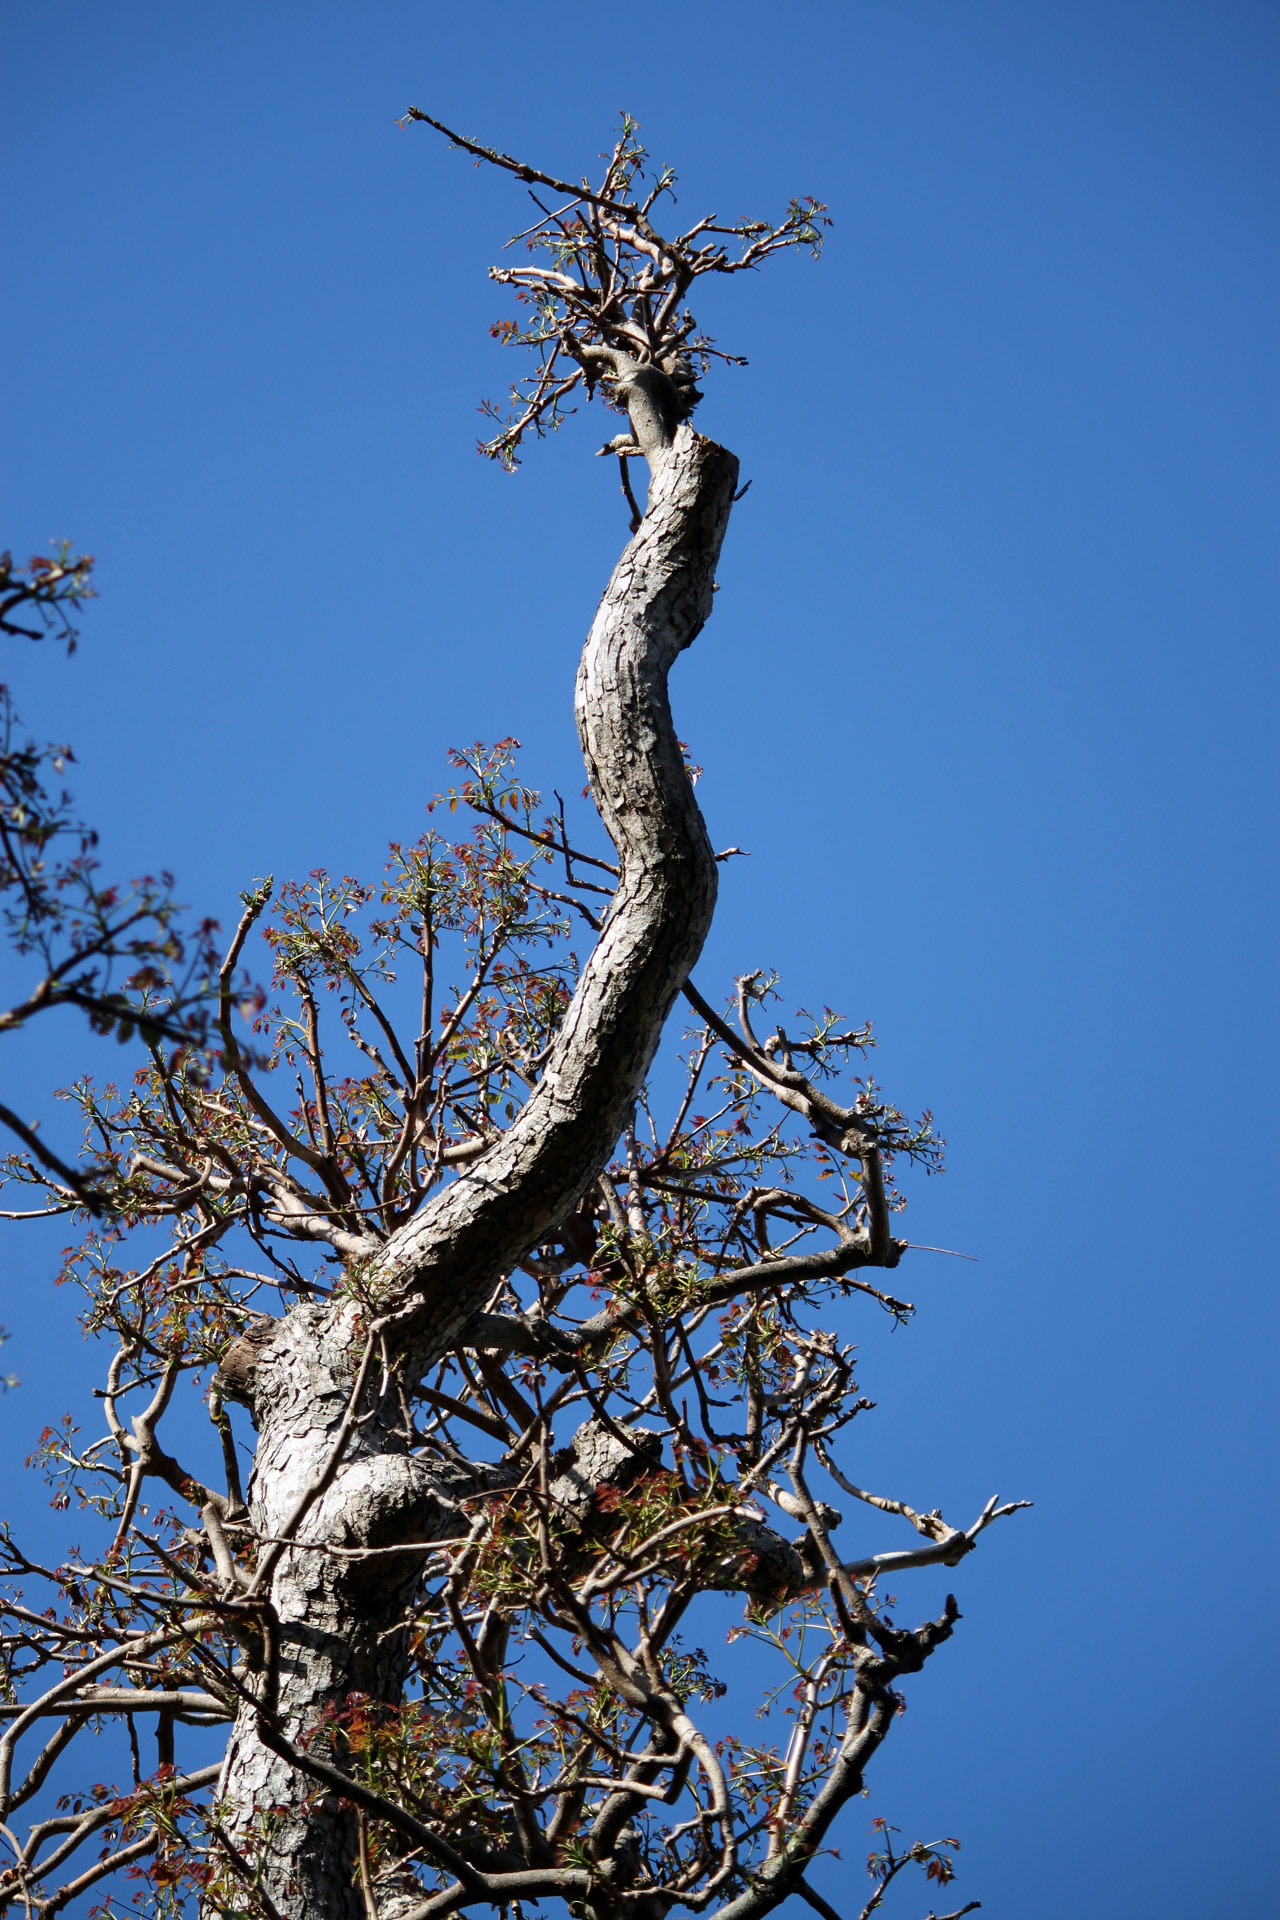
[
  {"x": 658, "y": 399},
  {"x": 596, "y": 1458},
  {"x": 234, "y": 1379},
  {"x": 658, "y": 396}
]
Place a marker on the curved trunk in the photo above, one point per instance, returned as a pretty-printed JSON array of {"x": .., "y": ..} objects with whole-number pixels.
[
  {"x": 336, "y": 1618},
  {"x": 660, "y": 595}
]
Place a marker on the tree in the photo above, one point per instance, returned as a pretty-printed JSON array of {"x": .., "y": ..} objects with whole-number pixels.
[
  {"x": 547, "y": 1372},
  {"x": 80, "y": 934}
]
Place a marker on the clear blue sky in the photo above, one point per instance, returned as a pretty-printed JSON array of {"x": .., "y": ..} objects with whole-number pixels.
[{"x": 988, "y": 694}]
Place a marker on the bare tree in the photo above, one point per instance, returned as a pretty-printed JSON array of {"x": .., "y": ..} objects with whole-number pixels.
[{"x": 546, "y": 1372}]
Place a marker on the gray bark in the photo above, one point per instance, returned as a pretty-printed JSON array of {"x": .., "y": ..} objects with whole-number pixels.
[
  {"x": 337, "y": 1617},
  {"x": 334, "y": 1615},
  {"x": 660, "y": 595}
]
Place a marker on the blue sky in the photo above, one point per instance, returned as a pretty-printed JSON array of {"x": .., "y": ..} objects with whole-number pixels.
[{"x": 988, "y": 694}]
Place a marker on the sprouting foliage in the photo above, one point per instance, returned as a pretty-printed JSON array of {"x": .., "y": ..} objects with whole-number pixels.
[
  {"x": 38, "y": 603},
  {"x": 121, "y": 955},
  {"x": 609, "y": 294},
  {"x": 651, "y": 1444},
  {"x": 650, "y": 1409}
]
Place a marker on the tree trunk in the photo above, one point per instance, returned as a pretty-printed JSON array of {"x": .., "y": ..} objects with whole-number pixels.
[
  {"x": 330, "y": 1614},
  {"x": 336, "y": 1616},
  {"x": 653, "y": 607}
]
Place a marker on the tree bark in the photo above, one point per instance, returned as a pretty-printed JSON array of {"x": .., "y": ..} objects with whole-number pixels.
[
  {"x": 655, "y": 605},
  {"x": 336, "y": 1618}
]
